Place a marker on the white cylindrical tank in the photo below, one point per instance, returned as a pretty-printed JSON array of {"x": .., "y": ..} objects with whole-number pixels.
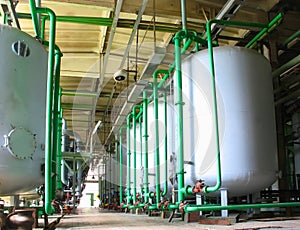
[
  {"x": 163, "y": 130},
  {"x": 23, "y": 64},
  {"x": 247, "y": 130}
]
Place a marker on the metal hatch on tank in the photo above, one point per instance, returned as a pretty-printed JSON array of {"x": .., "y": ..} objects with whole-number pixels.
[{"x": 23, "y": 64}]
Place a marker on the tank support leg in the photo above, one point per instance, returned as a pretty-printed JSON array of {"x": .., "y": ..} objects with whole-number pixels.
[
  {"x": 199, "y": 201},
  {"x": 224, "y": 201}
]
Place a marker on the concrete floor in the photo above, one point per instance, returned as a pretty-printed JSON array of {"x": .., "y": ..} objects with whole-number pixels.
[{"x": 93, "y": 218}]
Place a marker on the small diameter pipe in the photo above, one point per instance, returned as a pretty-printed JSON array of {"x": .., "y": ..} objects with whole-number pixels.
[
  {"x": 141, "y": 140},
  {"x": 121, "y": 164},
  {"x": 128, "y": 159},
  {"x": 179, "y": 109},
  {"x": 264, "y": 31},
  {"x": 59, "y": 155},
  {"x": 290, "y": 39},
  {"x": 48, "y": 132},
  {"x": 156, "y": 148},
  {"x": 198, "y": 208},
  {"x": 35, "y": 20},
  {"x": 183, "y": 14},
  {"x": 145, "y": 136},
  {"x": 215, "y": 112},
  {"x": 56, "y": 122},
  {"x": 141, "y": 153},
  {"x": 157, "y": 171},
  {"x": 134, "y": 118},
  {"x": 286, "y": 66},
  {"x": 165, "y": 146}
]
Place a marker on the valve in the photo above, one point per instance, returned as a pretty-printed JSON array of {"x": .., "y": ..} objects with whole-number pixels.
[{"x": 199, "y": 186}]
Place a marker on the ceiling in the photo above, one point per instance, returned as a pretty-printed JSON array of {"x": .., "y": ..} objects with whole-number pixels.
[{"x": 99, "y": 37}]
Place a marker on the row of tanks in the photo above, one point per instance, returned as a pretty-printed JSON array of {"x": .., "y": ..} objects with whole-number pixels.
[
  {"x": 246, "y": 118},
  {"x": 23, "y": 88}
]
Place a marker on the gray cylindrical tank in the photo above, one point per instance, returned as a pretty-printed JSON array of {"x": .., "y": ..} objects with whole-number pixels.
[
  {"x": 246, "y": 120},
  {"x": 23, "y": 64}
]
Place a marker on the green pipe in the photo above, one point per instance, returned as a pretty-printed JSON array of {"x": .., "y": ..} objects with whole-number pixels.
[
  {"x": 179, "y": 109},
  {"x": 34, "y": 16},
  {"x": 128, "y": 159},
  {"x": 264, "y": 31},
  {"x": 43, "y": 26},
  {"x": 48, "y": 134},
  {"x": 165, "y": 147},
  {"x": 56, "y": 113},
  {"x": 122, "y": 23},
  {"x": 141, "y": 141},
  {"x": 59, "y": 155},
  {"x": 145, "y": 135},
  {"x": 215, "y": 111},
  {"x": 198, "y": 208},
  {"x": 156, "y": 148},
  {"x": 290, "y": 39},
  {"x": 121, "y": 164},
  {"x": 134, "y": 117},
  {"x": 286, "y": 66}
]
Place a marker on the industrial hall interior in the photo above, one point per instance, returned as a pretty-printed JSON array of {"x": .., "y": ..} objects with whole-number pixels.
[{"x": 149, "y": 114}]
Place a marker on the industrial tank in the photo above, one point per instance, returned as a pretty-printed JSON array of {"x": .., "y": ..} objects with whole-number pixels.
[
  {"x": 165, "y": 131},
  {"x": 23, "y": 64},
  {"x": 247, "y": 130}
]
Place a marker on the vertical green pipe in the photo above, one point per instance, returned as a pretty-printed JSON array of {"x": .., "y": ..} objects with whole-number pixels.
[
  {"x": 141, "y": 141},
  {"x": 128, "y": 159},
  {"x": 59, "y": 134},
  {"x": 165, "y": 146},
  {"x": 134, "y": 154},
  {"x": 145, "y": 135},
  {"x": 134, "y": 118},
  {"x": 121, "y": 164},
  {"x": 215, "y": 112},
  {"x": 156, "y": 148},
  {"x": 117, "y": 158},
  {"x": 43, "y": 25},
  {"x": 48, "y": 142},
  {"x": 35, "y": 19},
  {"x": 179, "y": 105},
  {"x": 56, "y": 112}
]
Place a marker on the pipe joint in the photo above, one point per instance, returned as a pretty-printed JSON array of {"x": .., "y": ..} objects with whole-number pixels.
[
  {"x": 180, "y": 103},
  {"x": 151, "y": 194},
  {"x": 188, "y": 190},
  {"x": 180, "y": 35}
]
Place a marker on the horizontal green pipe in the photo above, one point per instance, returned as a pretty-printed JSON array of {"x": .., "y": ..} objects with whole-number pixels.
[
  {"x": 188, "y": 190},
  {"x": 152, "y": 207},
  {"x": 198, "y": 208},
  {"x": 286, "y": 66},
  {"x": 173, "y": 206},
  {"x": 291, "y": 38},
  {"x": 264, "y": 31},
  {"x": 140, "y": 206},
  {"x": 99, "y": 21},
  {"x": 83, "y": 93}
]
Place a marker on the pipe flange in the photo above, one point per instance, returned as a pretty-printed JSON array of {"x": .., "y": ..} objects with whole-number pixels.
[{"x": 21, "y": 143}]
